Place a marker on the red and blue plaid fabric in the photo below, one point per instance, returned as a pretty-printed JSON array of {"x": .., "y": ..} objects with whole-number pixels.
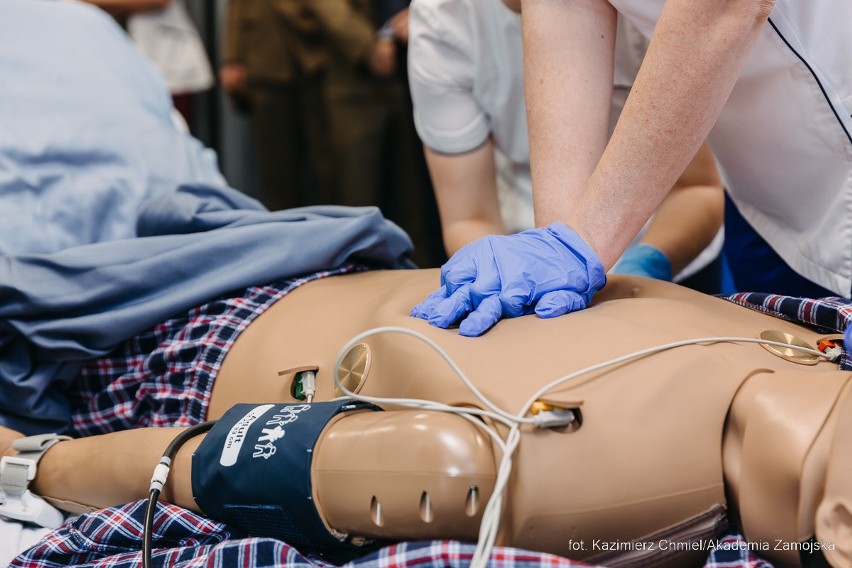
[
  {"x": 111, "y": 538},
  {"x": 732, "y": 551},
  {"x": 164, "y": 378},
  {"x": 827, "y": 315}
]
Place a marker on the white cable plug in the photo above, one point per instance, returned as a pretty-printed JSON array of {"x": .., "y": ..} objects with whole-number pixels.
[
  {"x": 556, "y": 418},
  {"x": 160, "y": 475},
  {"x": 309, "y": 384},
  {"x": 833, "y": 353}
]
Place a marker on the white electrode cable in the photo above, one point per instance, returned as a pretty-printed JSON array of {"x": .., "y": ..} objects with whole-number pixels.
[
  {"x": 492, "y": 513},
  {"x": 666, "y": 347},
  {"x": 496, "y": 413}
]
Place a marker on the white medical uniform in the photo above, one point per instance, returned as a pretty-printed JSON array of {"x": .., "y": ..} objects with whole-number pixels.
[
  {"x": 784, "y": 138},
  {"x": 466, "y": 74},
  {"x": 465, "y": 67}
]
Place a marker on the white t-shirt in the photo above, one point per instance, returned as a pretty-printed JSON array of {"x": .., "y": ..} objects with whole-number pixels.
[
  {"x": 465, "y": 66},
  {"x": 784, "y": 138}
]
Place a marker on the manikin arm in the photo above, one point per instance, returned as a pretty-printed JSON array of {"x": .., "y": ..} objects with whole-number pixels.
[
  {"x": 111, "y": 469},
  {"x": 692, "y": 62}
]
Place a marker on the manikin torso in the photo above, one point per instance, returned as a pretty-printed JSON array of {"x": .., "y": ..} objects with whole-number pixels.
[{"x": 647, "y": 454}]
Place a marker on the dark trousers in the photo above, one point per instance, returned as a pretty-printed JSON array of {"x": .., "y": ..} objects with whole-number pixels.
[
  {"x": 755, "y": 266},
  {"x": 293, "y": 152},
  {"x": 379, "y": 160}
]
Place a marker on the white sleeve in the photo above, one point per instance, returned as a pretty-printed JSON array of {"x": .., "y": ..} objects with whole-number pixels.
[{"x": 441, "y": 71}]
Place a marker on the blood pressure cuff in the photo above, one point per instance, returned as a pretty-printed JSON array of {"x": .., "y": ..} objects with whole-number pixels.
[{"x": 253, "y": 471}]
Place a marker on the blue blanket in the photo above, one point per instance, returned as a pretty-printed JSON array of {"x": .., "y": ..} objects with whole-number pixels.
[
  {"x": 194, "y": 244},
  {"x": 87, "y": 129}
]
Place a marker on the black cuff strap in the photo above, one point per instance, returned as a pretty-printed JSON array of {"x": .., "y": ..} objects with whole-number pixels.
[{"x": 253, "y": 470}]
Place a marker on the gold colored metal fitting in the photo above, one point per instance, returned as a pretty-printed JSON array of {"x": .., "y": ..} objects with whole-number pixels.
[
  {"x": 539, "y": 406},
  {"x": 789, "y": 353},
  {"x": 354, "y": 368}
]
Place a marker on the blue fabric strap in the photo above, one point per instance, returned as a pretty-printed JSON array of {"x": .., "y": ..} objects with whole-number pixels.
[{"x": 253, "y": 470}]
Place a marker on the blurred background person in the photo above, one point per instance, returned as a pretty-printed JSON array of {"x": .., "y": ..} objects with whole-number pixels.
[
  {"x": 165, "y": 33},
  {"x": 273, "y": 61},
  {"x": 324, "y": 83},
  {"x": 377, "y": 151}
]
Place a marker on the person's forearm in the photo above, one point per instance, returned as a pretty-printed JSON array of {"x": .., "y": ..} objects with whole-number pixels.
[
  {"x": 690, "y": 216},
  {"x": 692, "y": 63},
  {"x": 466, "y": 191},
  {"x": 568, "y": 51},
  {"x": 108, "y": 470},
  {"x": 458, "y": 234},
  {"x": 685, "y": 223}
]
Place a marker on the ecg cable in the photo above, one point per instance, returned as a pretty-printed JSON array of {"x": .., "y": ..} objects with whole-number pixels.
[{"x": 493, "y": 510}]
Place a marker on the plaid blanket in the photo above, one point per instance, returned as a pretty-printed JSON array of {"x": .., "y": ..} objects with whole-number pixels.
[{"x": 111, "y": 539}]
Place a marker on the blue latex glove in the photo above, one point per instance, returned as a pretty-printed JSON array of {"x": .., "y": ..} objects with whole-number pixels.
[
  {"x": 551, "y": 271},
  {"x": 644, "y": 260}
]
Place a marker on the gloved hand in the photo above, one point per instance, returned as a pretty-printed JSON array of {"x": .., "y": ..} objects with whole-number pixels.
[
  {"x": 549, "y": 270},
  {"x": 644, "y": 260}
]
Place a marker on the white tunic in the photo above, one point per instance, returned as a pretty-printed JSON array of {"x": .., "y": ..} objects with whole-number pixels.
[{"x": 784, "y": 138}]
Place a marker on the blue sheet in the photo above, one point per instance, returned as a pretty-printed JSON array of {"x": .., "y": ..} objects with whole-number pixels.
[
  {"x": 195, "y": 243},
  {"x": 86, "y": 129}
]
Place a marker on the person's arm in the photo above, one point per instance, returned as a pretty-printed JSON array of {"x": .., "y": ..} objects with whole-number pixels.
[
  {"x": 233, "y": 74},
  {"x": 693, "y": 60},
  {"x": 126, "y": 7},
  {"x": 466, "y": 190},
  {"x": 399, "y": 25},
  {"x": 451, "y": 121},
  {"x": 690, "y": 216},
  {"x": 568, "y": 72}
]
